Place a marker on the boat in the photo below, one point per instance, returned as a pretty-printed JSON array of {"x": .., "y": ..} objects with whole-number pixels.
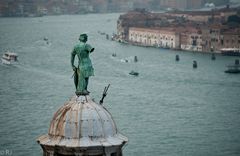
[
  {"x": 234, "y": 69},
  {"x": 114, "y": 54},
  {"x": 9, "y": 58},
  {"x": 45, "y": 39},
  {"x": 134, "y": 73},
  {"x": 230, "y": 51}
]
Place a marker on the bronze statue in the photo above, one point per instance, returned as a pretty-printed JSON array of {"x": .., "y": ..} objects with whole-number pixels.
[{"x": 84, "y": 69}]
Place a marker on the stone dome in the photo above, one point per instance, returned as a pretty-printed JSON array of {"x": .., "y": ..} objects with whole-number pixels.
[{"x": 81, "y": 122}]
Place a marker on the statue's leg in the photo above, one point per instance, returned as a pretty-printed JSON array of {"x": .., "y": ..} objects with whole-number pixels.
[
  {"x": 86, "y": 82},
  {"x": 76, "y": 79},
  {"x": 81, "y": 84}
]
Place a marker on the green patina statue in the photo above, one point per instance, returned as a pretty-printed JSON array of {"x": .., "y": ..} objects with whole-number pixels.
[{"x": 84, "y": 69}]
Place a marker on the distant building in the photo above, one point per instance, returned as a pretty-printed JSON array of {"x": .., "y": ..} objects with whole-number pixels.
[
  {"x": 220, "y": 15},
  {"x": 226, "y": 12},
  {"x": 196, "y": 16},
  {"x": 230, "y": 38},
  {"x": 191, "y": 39},
  {"x": 174, "y": 4},
  {"x": 194, "y": 4},
  {"x": 181, "y": 4},
  {"x": 211, "y": 36},
  {"x": 206, "y": 31},
  {"x": 139, "y": 18},
  {"x": 42, "y": 10},
  {"x": 159, "y": 37}
]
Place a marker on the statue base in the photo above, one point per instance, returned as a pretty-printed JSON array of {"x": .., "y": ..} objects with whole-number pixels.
[{"x": 83, "y": 93}]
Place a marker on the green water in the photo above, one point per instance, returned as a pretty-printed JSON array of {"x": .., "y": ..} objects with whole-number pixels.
[{"x": 169, "y": 109}]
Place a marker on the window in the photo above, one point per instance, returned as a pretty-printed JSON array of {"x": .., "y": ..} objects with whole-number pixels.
[{"x": 194, "y": 43}]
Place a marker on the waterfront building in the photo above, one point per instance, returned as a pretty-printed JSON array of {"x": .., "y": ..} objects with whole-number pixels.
[
  {"x": 173, "y": 4},
  {"x": 158, "y": 37},
  {"x": 139, "y": 18},
  {"x": 181, "y": 4},
  {"x": 211, "y": 38},
  {"x": 227, "y": 11},
  {"x": 230, "y": 38},
  {"x": 218, "y": 15},
  {"x": 196, "y": 16},
  {"x": 191, "y": 39},
  {"x": 206, "y": 31},
  {"x": 42, "y": 10},
  {"x": 82, "y": 127},
  {"x": 216, "y": 37}
]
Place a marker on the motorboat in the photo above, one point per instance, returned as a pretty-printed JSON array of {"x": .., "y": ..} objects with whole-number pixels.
[
  {"x": 230, "y": 51},
  {"x": 234, "y": 69},
  {"x": 9, "y": 57},
  {"x": 134, "y": 73}
]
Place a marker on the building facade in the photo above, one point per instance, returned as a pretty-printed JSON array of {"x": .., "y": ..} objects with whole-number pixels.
[
  {"x": 191, "y": 40},
  {"x": 181, "y": 4},
  {"x": 206, "y": 31},
  {"x": 158, "y": 37},
  {"x": 211, "y": 38},
  {"x": 230, "y": 38}
]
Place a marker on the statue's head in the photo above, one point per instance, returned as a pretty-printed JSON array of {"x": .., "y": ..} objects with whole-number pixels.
[{"x": 83, "y": 38}]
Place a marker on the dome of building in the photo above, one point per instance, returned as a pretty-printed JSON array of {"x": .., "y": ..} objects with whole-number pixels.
[{"x": 81, "y": 123}]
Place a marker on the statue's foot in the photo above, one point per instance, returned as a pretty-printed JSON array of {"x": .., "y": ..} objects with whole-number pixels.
[{"x": 84, "y": 93}]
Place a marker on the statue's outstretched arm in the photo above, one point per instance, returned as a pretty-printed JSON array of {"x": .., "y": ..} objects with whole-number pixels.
[
  {"x": 89, "y": 48},
  {"x": 92, "y": 50}
]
